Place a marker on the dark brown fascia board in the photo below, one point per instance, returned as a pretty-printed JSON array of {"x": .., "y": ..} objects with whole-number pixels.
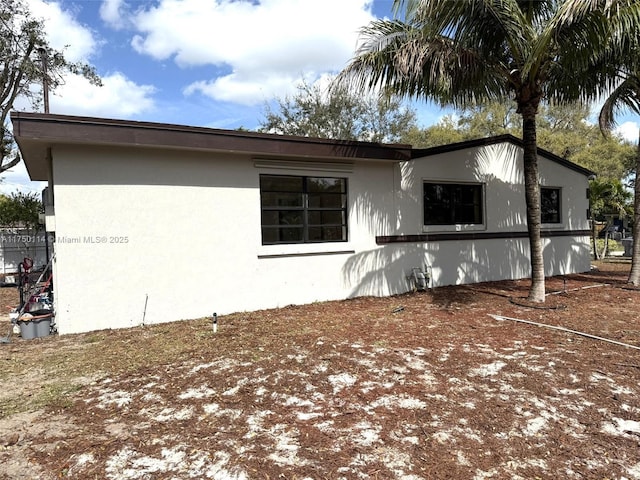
[
  {"x": 35, "y": 132},
  {"x": 481, "y": 142}
]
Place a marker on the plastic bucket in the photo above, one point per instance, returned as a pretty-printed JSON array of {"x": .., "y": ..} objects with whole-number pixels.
[
  {"x": 37, "y": 328},
  {"x": 43, "y": 327},
  {"x": 27, "y": 329}
]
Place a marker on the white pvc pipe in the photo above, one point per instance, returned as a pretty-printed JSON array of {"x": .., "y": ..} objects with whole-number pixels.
[
  {"x": 562, "y": 329},
  {"x": 580, "y": 288}
]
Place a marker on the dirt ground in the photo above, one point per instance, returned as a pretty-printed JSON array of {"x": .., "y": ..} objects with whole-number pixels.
[{"x": 430, "y": 385}]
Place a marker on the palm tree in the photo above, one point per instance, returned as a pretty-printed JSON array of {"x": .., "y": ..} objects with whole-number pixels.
[
  {"x": 467, "y": 52},
  {"x": 627, "y": 96}
]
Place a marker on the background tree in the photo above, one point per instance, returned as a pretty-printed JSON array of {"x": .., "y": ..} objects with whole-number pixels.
[
  {"x": 607, "y": 197},
  {"x": 444, "y": 132},
  {"x": 21, "y": 211},
  {"x": 467, "y": 53},
  {"x": 626, "y": 96},
  {"x": 566, "y": 132},
  {"x": 23, "y": 46},
  {"x": 491, "y": 119},
  {"x": 338, "y": 114},
  {"x": 20, "y": 215}
]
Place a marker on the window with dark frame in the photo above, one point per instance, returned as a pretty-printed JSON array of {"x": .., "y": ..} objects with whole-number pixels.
[
  {"x": 453, "y": 203},
  {"x": 298, "y": 209},
  {"x": 550, "y": 205}
]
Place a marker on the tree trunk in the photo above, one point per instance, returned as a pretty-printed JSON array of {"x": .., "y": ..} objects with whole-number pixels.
[
  {"x": 634, "y": 275},
  {"x": 532, "y": 197},
  {"x": 594, "y": 238}
]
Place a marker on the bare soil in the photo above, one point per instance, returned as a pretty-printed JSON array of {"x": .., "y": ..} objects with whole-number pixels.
[{"x": 428, "y": 385}]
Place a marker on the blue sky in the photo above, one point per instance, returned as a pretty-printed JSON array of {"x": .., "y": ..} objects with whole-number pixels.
[
  {"x": 200, "y": 62},
  {"x": 213, "y": 63}
]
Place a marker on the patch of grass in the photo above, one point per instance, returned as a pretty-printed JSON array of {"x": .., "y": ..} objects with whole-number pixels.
[
  {"x": 11, "y": 406},
  {"x": 53, "y": 395},
  {"x": 57, "y": 395}
]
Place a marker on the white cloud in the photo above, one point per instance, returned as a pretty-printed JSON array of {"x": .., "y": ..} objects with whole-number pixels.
[
  {"x": 243, "y": 90},
  {"x": 629, "y": 130},
  {"x": 117, "y": 97},
  {"x": 114, "y": 13},
  {"x": 63, "y": 31},
  {"x": 17, "y": 178},
  {"x": 265, "y": 46}
]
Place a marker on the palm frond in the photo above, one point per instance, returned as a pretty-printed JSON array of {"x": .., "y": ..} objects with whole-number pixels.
[
  {"x": 420, "y": 63},
  {"x": 625, "y": 97}
]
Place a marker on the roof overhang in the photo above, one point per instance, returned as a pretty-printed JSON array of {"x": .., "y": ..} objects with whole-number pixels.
[{"x": 37, "y": 133}]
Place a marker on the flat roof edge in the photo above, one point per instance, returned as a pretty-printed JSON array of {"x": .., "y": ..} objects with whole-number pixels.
[{"x": 31, "y": 126}]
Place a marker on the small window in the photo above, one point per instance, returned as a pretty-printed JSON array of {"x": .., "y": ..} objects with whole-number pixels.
[
  {"x": 550, "y": 205},
  {"x": 453, "y": 204},
  {"x": 303, "y": 209}
]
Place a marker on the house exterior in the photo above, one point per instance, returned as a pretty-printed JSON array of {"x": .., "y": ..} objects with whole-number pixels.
[{"x": 156, "y": 222}]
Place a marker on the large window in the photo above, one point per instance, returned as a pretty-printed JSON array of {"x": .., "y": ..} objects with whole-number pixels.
[
  {"x": 550, "y": 205},
  {"x": 303, "y": 209},
  {"x": 452, "y": 204}
]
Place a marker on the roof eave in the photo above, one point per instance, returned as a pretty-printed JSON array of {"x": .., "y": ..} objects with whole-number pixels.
[
  {"x": 481, "y": 142},
  {"x": 37, "y": 132}
]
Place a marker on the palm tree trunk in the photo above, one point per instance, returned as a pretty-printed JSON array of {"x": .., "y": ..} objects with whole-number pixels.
[
  {"x": 634, "y": 274},
  {"x": 532, "y": 197}
]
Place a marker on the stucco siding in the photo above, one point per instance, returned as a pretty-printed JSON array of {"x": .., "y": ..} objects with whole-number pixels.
[
  {"x": 155, "y": 236},
  {"x": 499, "y": 169}
]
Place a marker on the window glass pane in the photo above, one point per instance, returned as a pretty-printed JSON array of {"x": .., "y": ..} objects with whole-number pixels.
[
  {"x": 434, "y": 193},
  {"x": 434, "y": 214},
  {"x": 550, "y": 205},
  {"x": 326, "y": 217},
  {"x": 468, "y": 194},
  {"x": 269, "y": 235},
  {"x": 465, "y": 215},
  {"x": 282, "y": 217},
  {"x": 327, "y": 200},
  {"x": 282, "y": 235},
  {"x": 324, "y": 184},
  {"x": 297, "y": 209},
  {"x": 327, "y": 234},
  {"x": 280, "y": 183},
  {"x": 452, "y": 204},
  {"x": 273, "y": 199}
]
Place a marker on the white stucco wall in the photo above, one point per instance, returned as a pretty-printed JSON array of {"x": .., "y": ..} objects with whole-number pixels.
[
  {"x": 181, "y": 232},
  {"x": 499, "y": 168},
  {"x": 152, "y": 235}
]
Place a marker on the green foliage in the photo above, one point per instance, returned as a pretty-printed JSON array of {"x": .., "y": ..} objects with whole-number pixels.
[
  {"x": 23, "y": 50},
  {"x": 442, "y": 133},
  {"x": 564, "y": 131},
  {"x": 495, "y": 118},
  {"x": 610, "y": 158},
  {"x": 336, "y": 113},
  {"x": 609, "y": 197},
  {"x": 626, "y": 96},
  {"x": 21, "y": 210},
  {"x": 608, "y": 245}
]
